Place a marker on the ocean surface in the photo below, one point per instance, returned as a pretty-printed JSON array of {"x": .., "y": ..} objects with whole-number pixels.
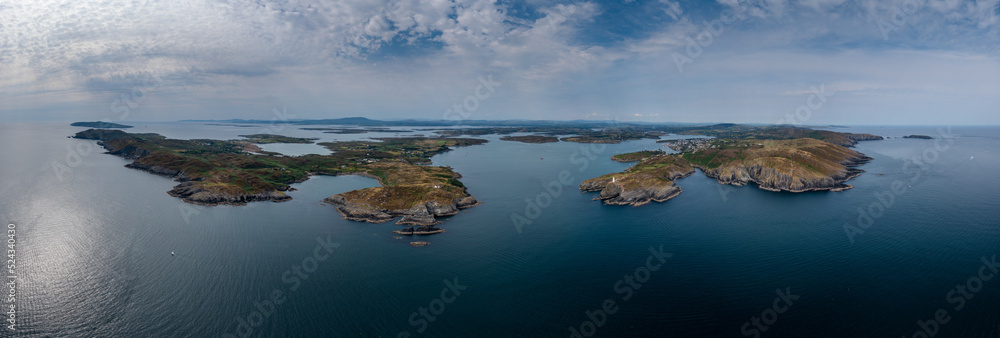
[{"x": 94, "y": 242}]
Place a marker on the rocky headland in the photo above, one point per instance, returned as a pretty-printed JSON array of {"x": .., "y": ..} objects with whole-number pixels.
[
  {"x": 531, "y": 138},
  {"x": 792, "y": 165},
  {"x": 650, "y": 180},
  {"x": 781, "y": 165},
  {"x": 99, "y": 124}
]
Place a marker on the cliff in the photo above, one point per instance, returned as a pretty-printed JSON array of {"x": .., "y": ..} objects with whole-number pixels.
[
  {"x": 781, "y": 165},
  {"x": 796, "y": 165},
  {"x": 861, "y": 137}
]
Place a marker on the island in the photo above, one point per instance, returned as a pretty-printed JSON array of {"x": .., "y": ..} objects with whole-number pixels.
[
  {"x": 637, "y": 156},
  {"x": 578, "y": 133},
  {"x": 358, "y": 130},
  {"x": 780, "y": 132},
  {"x": 269, "y": 138},
  {"x": 772, "y": 158},
  {"x": 213, "y": 172},
  {"x": 102, "y": 125},
  {"x": 614, "y": 135},
  {"x": 531, "y": 139},
  {"x": 925, "y": 137}
]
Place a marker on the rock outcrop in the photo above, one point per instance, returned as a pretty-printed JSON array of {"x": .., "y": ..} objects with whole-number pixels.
[
  {"x": 854, "y": 138},
  {"x": 651, "y": 180},
  {"x": 795, "y": 165},
  {"x": 192, "y": 192},
  {"x": 213, "y": 172},
  {"x": 422, "y": 213},
  {"x": 773, "y": 179},
  {"x": 788, "y": 165},
  {"x": 617, "y": 194}
]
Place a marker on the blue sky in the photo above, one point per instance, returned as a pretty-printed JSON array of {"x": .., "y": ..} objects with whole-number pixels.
[{"x": 762, "y": 61}]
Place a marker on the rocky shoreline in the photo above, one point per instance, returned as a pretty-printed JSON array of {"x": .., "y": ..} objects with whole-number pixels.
[
  {"x": 771, "y": 179},
  {"x": 423, "y": 214},
  {"x": 638, "y": 187},
  {"x": 189, "y": 190},
  {"x": 798, "y": 165},
  {"x": 230, "y": 175},
  {"x": 615, "y": 194},
  {"x": 423, "y": 230},
  {"x": 853, "y": 139}
]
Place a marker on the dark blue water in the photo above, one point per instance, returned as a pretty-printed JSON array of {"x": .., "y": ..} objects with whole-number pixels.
[{"x": 94, "y": 245}]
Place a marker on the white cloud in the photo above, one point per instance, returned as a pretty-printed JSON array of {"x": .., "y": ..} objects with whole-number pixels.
[{"x": 419, "y": 57}]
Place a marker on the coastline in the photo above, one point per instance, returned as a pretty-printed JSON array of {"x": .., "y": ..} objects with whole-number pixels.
[{"x": 436, "y": 190}]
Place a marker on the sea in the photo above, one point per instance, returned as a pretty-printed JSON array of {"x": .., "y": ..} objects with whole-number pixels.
[{"x": 101, "y": 250}]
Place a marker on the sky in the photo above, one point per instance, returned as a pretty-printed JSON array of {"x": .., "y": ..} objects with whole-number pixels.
[{"x": 809, "y": 62}]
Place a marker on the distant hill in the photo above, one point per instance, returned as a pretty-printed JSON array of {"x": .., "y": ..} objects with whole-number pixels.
[
  {"x": 98, "y": 124},
  {"x": 362, "y": 121}
]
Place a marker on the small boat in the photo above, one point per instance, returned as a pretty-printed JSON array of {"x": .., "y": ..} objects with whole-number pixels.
[{"x": 172, "y": 253}]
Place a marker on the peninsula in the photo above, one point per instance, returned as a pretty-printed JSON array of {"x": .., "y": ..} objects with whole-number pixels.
[
  {"x": 270, "y": 138},
  {"x": 212, "y": 172},
  {"x": 531, "y": 138},
  {"x": 773, "y": 158},
  {"x": 652, "y": 179},
  {"x": 98, "y": 124}
]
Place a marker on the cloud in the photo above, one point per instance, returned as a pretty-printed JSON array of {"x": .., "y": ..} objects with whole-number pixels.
[{"x": 240, "y": 59}]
